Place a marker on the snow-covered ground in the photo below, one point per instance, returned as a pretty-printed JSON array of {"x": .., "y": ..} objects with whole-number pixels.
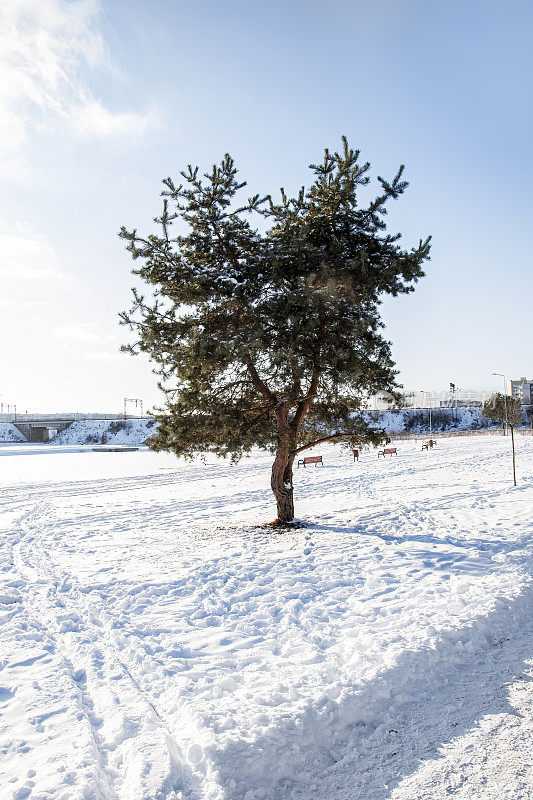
[{"x": 157, "y": 643}]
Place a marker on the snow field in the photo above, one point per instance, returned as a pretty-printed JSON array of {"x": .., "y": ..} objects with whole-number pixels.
[{"x": 157, "y": 643}]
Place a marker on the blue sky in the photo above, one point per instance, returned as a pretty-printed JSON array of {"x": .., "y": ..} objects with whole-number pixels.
[{"x": 100, "y": 101}]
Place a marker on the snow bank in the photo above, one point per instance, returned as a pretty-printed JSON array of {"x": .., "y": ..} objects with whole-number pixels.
[
  {"x": 413, "y": 420},
  {"x": 98, "y": 431},
  {"x": 9, "y": 433},
  {"x": 137, "y": 431}
]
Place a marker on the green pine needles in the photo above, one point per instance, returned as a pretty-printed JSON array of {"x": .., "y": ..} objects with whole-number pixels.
[
  {"x": 504, "y": 409},
  {"x": 269, "y": 339}
]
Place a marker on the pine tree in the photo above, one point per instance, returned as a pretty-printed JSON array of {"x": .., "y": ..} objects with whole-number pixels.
[
  {"x": 504, "y": 409},
  {"x": 269, "y": 339}
]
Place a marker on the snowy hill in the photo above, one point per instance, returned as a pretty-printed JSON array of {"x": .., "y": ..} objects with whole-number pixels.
[
  {"x": 8, "y": 433},
  {"x": 416, "y": 420},
  {"x": 101, "y": 431},
  {"x": 137, "y": 431}
]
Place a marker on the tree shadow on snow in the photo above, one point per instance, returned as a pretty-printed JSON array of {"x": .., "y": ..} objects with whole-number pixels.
[
  {"x": 365, "y": 744},
  {"x": 394, "y": 526}
]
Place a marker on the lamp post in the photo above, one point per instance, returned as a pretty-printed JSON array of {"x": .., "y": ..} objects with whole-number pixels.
[
  {"x": 501, "y": 375},
  {"x": 453, "y": 393},
  {"x": 424, "y": 393}
]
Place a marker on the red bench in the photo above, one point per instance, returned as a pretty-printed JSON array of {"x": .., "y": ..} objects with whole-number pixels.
[
  {"x": 387, "y": 451},
  {"x": 356, "y": 455},
  {"x": 316, "y": 460}
]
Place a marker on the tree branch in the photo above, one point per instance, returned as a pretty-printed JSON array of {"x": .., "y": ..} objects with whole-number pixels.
[
  {"x": 305, "y": 402},
  {"x": 256, "y": 380},
  {"x": 323, "y": 439},
  {"x": 227, "y": 386}
]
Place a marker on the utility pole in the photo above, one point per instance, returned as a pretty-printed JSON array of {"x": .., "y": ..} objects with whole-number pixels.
[
  {"x": 514, "y": 462},
  {"x": 453, "y": 393},
  {"x": 136, "y": 401}
]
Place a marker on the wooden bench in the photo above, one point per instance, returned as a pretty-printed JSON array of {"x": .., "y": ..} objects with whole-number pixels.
[
  {"x": 387, "y": 451},
  {"x": 429, "y": 444},
  {"x": 316, "y": 460}
]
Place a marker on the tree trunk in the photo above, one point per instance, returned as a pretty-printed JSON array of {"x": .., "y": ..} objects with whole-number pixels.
[{"x": 281, "y": 482}]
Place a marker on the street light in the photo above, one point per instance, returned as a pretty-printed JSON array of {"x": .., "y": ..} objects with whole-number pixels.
[
  {"x": 501, "y": 375},
  {"x": 453, "y": 393},
  {"x": 424, "y": 392}
]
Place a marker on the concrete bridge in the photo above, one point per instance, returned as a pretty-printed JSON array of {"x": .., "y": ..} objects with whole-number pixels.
[{"x": 43, "y": 427}]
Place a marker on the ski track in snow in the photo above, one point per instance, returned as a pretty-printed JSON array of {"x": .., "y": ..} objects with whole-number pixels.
[{"x": 157, "y": 643}]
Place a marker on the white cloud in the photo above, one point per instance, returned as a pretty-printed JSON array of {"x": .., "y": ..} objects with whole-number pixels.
[
  {"x": 93, "y": 119},
  {"x": 46, "y": 49},
  {"x": 10, "y": 302},
  {"x": 78, "y": 336},
  {"x": 25, "y": 255},
  {"x": 83, "y": 333},
  {"x": 109, "y": 355}
]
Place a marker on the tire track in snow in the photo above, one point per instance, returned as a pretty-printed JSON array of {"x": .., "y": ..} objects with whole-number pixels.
[
  {"x": 136, "y": 753},
  {"x": 36, "y": 630}
]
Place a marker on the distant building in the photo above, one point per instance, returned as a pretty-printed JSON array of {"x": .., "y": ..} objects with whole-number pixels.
[{"x": 521, "y": 389}]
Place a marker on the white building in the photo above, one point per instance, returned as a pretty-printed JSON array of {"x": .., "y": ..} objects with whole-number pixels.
[{"x": 521, "y": 389}]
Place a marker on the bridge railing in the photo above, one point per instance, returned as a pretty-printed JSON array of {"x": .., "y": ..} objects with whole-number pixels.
[{"x": 75, "y": 417}]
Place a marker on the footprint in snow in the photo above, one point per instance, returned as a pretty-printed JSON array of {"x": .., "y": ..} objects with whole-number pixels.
[{"x": 6, "y": 694}]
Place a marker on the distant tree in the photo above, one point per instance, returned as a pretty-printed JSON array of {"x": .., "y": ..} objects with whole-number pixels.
[
  {"x": 502, "y": 408},
  {"x": 269, "y": 339}
]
